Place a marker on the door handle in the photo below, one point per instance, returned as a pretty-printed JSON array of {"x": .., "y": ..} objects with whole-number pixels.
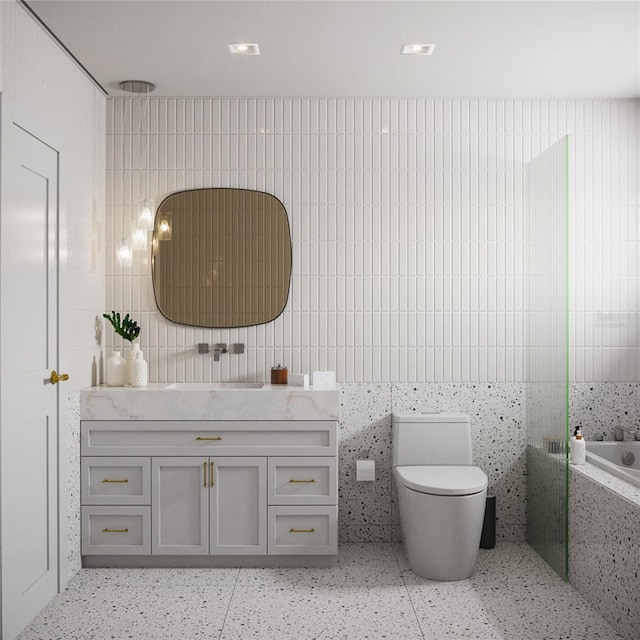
[
  {"x": 204, "y": 474},
  {"x": 58, "y": 377}
]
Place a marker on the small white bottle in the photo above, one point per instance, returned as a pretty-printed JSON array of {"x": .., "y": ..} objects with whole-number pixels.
[
  {"x": 139, "y": 371},
  {"x": 116, "y": 370},
  {"x": 131, "y": 358},
  {"x": 578, "y": 448}
]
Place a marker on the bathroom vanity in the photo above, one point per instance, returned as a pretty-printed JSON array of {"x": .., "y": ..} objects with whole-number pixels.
[{"x": 209, "y": 475}]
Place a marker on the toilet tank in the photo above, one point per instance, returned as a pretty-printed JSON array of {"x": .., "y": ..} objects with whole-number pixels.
[{"x": 431, "y": 438}]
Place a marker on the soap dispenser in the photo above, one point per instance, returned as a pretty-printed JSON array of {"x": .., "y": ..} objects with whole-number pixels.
[{"x": 578, "y": 448}]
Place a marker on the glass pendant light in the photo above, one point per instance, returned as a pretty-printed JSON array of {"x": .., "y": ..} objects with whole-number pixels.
[
  {"x": 145, "y": 219},
  {"x": 125, "y": 255},
  {"x": 138, "y": 238}
]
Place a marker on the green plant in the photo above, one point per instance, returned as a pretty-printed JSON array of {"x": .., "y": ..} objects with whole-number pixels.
[{"x": 126, "y": 327}]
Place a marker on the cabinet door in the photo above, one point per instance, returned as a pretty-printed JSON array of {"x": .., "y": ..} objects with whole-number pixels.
[
  {"x": 180, "y": 506},
  {"x": 238, "y": 506}
]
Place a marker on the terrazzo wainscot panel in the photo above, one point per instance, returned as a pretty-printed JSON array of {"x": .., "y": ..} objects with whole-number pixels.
[
  {"x": 598, "y": 407},
  {"x": 368, "y": 511},
  {"x": 365, "y": 508},
  {"x": 74, "y": 561},
  {"x": 604, "y": 552},
  {"x": 498, "y": 434}
]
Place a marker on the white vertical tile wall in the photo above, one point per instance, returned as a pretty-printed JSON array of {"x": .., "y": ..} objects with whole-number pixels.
[{"x": 407, "y": 220}]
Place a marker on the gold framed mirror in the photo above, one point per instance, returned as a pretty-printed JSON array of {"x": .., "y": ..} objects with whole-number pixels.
[{"x": 221, "y": 257}]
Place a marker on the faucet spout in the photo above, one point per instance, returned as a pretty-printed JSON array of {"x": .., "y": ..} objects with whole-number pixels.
[{"x": 218, "y": 348}]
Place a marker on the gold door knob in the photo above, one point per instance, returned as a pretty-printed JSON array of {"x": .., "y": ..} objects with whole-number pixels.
[{"x": 56, "y": 377}]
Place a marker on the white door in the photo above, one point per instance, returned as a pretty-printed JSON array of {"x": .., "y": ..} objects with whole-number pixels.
[
  {"x": 238, "y": 506},
  {"x": 28, "y": 354},
  {"x": 180, "y": 506}
]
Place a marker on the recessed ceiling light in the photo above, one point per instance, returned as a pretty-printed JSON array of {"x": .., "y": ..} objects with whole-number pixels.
[
  {"x": 245, "y": 49},
  {"x": 417, "y": 49}
]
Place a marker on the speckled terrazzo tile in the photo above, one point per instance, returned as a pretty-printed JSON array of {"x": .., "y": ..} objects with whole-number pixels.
[
  {"x": 366, "y": 533},
  {"x": 368, "y": 565},
  {"x": 452, "y": 610},
  {"x": 364, "y": 430},
  {"x": 599, "y": 406},
  {"x": 537, "y": 608},
  {"x": 604, "y": 554},
  {"x": 365, "y": 503},
  {"x": 74, "y": 559},
  {"x": 102, "y": 613},
  {"x": 156, "y": 578},
  {"x": 512, "y": 594},
  {"x": 363, "y": 403},
  {"x": 305, "y": 612},
  {"x": 606, "y": 479}
]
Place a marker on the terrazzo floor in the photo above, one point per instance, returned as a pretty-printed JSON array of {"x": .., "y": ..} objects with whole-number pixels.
[{"x": 372, "y": 594}]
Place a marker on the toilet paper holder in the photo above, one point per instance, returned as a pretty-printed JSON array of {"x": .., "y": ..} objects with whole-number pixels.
[{"x": 365, "y": 468}]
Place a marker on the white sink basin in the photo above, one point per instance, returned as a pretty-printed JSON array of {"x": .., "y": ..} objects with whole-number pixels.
[{"x": 213, "y": 386}]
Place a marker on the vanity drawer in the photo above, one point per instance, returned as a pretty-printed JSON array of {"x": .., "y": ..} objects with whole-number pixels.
[
  {"x": 302, "y": 481},
  {"x": 302, "y": 531},
  {"x": 115, "y": 481},
  {"x": 116, "y": 530},
  {"x": 226, "y": 438}
]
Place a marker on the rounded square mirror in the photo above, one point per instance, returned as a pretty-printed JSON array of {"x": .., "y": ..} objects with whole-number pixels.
[{"x": 221, "y": 257}]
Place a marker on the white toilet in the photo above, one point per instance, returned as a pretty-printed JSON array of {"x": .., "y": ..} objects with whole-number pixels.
[{"x": 441, "y": 496}]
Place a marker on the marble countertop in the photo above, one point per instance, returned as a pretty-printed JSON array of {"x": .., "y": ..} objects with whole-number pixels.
[{"x": 209, "y": 401}]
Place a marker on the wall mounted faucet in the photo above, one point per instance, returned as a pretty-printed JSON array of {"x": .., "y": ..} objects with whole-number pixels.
[
  {"x": 618, "y": 433},
  {"x": 219, "y": 348}
]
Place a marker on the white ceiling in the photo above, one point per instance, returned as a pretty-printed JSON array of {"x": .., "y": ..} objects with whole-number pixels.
[{"x": 351, "y": 48}]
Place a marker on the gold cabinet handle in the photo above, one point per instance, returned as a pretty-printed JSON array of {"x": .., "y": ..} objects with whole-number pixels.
[
  {"x": 312, "y": 481},
  {"x": 107, "y": 480},
  {"x": 211, "y": 474},
  {"x": 115, "y": 531},
  {"x": 201, "y": 438},
  {"x": 58, "y": 377},
  {"x": 302, "y": 530},
  {"x": 204, "y": 473}
]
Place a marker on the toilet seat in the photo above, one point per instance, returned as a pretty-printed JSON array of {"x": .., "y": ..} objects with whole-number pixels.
[{"x": 443, "y": 480}]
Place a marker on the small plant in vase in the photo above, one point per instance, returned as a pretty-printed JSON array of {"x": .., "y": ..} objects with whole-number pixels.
[{"x": 135, "y": 370}]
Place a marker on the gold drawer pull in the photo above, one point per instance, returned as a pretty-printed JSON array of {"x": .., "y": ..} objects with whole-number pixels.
[
  {"x": 115, "y": 531},
  {"x": 302, "y": 530},
  {"x": 107, "y": 480},
  {"x": 201, "y": 438},
  {"x": 211, "y": 474},
  {"x": 204, "y": 474},
  {"x": 312, "y": 481}
]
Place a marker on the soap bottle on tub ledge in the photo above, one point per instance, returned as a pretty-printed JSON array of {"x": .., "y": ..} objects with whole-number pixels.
[{"x": 578, "y": 448}]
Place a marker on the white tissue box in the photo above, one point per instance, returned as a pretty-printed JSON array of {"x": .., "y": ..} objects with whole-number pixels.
[{"x": 299, "y": 380}]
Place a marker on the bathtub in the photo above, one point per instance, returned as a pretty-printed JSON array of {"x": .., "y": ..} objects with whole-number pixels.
[{"x": 608, "y": 456}]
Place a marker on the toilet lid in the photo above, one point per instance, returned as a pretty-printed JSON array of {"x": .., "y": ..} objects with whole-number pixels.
[{"x": 445, "y": 480}]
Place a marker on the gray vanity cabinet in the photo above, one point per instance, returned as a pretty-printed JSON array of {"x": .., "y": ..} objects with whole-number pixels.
[
  {"x": 207, "y": 489},
  {"x": 203, "y": 505}
]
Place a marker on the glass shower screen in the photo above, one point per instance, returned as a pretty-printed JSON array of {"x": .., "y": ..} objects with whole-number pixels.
[{"x": 547, "y": 356}]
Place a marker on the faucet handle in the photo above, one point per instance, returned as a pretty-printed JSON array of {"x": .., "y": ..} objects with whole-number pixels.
[
  {"x": 220, "y": 347},
  {"x": 237, "y": 347}
]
